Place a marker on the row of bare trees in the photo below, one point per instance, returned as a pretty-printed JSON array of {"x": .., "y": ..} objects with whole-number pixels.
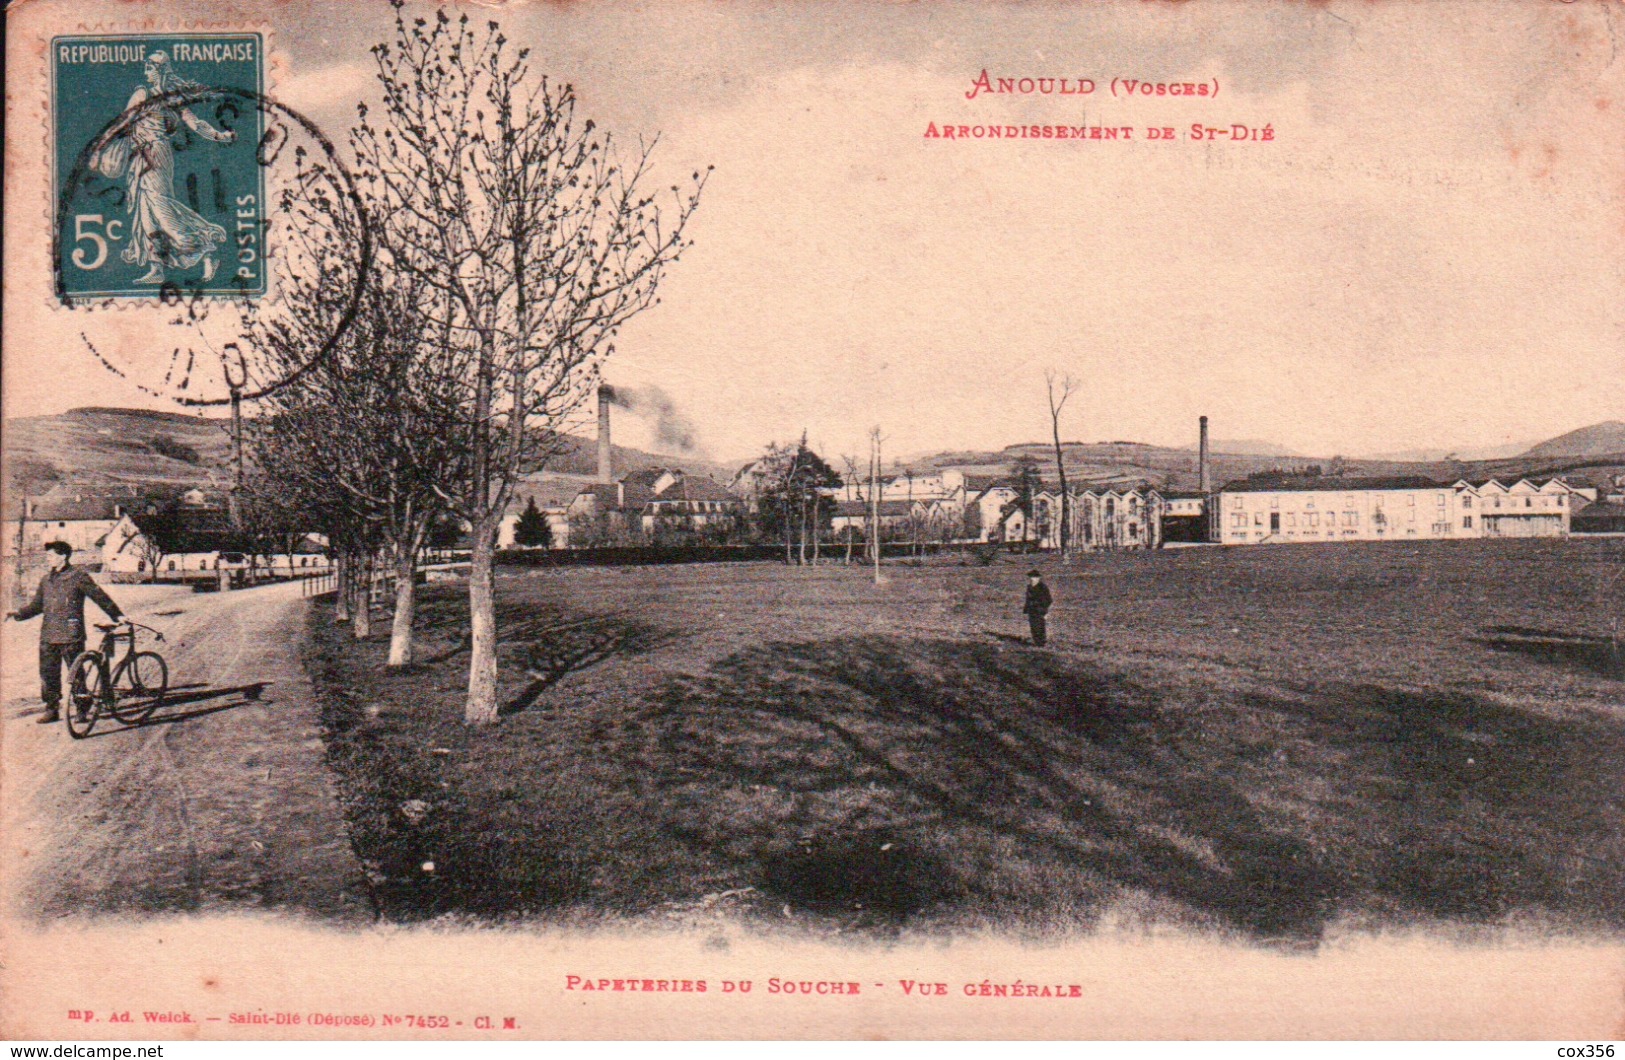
[{"x": 513, "y": 239}]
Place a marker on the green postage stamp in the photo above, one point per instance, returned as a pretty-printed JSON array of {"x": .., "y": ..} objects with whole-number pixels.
[{"x": 158, "y": 182}]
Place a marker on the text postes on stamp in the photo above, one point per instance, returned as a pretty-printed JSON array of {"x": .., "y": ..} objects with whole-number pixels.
[{"x": 157, "y": 180}]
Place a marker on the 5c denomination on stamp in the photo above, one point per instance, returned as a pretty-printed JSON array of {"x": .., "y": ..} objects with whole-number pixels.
[{"x": 157, "y": 178}]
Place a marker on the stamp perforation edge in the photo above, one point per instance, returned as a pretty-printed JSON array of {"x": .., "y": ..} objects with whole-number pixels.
[{"x": 271, "y": 72}]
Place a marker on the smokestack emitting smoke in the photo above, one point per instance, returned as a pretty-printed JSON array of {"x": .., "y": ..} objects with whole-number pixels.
[
  {"x": 606, "y": 461},
  {"x": 673, "y": 430},
  {"x": 1203, "y": 477}
]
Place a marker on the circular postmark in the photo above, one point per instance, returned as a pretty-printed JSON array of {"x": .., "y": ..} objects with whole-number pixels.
[{"x": 214, "y": 240}]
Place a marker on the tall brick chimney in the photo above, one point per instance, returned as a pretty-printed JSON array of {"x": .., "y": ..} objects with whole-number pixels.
[
  {"x": 606, "y": 460},
  {"x": 1204, "y": 476}
]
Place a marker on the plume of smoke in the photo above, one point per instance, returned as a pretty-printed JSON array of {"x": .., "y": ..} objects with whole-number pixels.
[{"x": 673, "y": 429}]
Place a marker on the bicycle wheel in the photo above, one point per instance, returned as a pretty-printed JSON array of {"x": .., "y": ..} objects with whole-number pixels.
[
  {"x": 149, "y": 680},
  {"x": 87, "y": 686}
]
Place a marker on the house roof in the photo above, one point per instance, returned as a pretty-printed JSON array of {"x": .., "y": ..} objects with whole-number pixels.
[
  {"x": 695, "y": 489},
  {"x": 1529, "y": 485},
  {"x": 73, "y": 501},
  {"x": 547, "y": 493},
  {"x": 604, "y": 494},
  {"x": 189, "y": 531},
  {"x": 72, "y": 509},
  {"x": 1328, "y": 484},
  {"x": 980, "y": 492},
  {"x": 888, "y": 509}
]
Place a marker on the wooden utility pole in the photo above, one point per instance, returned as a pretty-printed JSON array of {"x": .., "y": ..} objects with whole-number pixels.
[{"x": 235, "y": 381}]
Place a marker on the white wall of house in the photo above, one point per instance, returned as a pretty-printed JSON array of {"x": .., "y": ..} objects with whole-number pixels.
[
  {"x": 1433, "y": 513},
  {"x": 82, "y": 534},
  {"x": 558, "y": 522},
  {"x": 991, "y": 503},
  {"x": 1110, "y": 519}
]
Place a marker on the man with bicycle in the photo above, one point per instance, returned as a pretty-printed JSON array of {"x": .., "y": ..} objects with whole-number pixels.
[{"x": 61, "y": 599}]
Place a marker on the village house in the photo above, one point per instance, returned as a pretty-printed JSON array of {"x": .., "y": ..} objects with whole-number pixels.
[
  {"x": 996, "y": 518},
  {"x": 897, "y": 519},
  {"x": 1101, "y": 519},
  {"x": 552, "y": 496},
  {"x": 1298, "y": 509},
  {"x": 654, "y": 498},
  {"x": 1184, "y": 516},
  {"x": 194, "y": 542},
  {"x": 81, "y": 515}
]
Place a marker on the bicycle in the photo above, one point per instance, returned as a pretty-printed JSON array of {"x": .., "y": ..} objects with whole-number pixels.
[{"x": 94, "y": 688}]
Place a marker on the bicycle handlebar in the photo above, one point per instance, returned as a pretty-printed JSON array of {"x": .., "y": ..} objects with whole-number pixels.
[{"x": 109, "y": 627}]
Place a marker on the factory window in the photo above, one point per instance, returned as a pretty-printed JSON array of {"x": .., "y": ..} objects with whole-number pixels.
[
  {"x": 1235, "y": 502},
  {"x": 1314, "y": 518},
  {"x": 1439, "y": 499},
  {"x": 1275, "y": 502},
  {"x": 1562, "y": 501},
  {"x": 171, "y": 564},
  {"x": 1529, "y": 502},
  {"x": 1238, "y": 519},
  {"x": 1351, "y": 519},
  {"x": 1291, "y": 519},
  {"x": 1258, "y": 518},
  {"x": 1467, "y": 500},
  {"x": 140, "y": 565},
  {"x": 1466, "y": 522},
  {"x": 1410, "y": 499}
]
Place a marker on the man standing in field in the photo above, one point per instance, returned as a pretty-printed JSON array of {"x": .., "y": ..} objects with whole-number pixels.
[
  {"x": 61, "y": 599},
  {"x": 1037, "y": 605}
]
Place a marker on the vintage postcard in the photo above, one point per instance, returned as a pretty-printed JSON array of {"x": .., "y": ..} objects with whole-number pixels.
[{"x": 759, "y": 519}]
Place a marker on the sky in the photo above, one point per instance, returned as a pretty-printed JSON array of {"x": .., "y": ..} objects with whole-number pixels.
[{"x": 1428, "y": 253}]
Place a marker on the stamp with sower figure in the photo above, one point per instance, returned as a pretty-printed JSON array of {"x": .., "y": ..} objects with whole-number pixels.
[{"x": 158, "y": 182}]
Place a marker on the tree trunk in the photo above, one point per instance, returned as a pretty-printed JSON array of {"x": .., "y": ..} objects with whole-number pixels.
[
  {"x": 481, "y": 707},
  {"x": 342, "y": 579},
  {"x": 1060, "y": 470},
  {"x": 361, "y": 617},
  {"x": 400, "y": 631}
]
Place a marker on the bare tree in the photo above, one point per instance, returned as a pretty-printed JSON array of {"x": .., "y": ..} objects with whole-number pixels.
[
  {"x": 1058, "y": 390},
  {"x": 538, "y": 243},
  {"x": 360, "y": 441},
  {"x": 854, "y": 487},
  {"x": 875, "y": 490}
]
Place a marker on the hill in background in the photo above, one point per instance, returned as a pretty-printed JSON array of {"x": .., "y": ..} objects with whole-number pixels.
[
  {"x": 135, "y": 447},
  {"x": 1599, "y": 439},
  {"x": 1589, "y": 456},
  {"x": 125, "y": 447}
]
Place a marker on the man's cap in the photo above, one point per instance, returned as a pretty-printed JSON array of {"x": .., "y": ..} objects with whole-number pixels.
[
  {"x": 60, "y": 546},
  {"x": 1034, "y": 574}
]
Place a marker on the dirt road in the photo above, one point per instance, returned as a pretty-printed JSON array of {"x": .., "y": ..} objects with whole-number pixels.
[{"x": 221, "y": 800}]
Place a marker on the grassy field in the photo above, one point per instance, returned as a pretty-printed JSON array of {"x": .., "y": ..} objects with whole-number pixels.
[{"x": 1272, "y": 742}]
